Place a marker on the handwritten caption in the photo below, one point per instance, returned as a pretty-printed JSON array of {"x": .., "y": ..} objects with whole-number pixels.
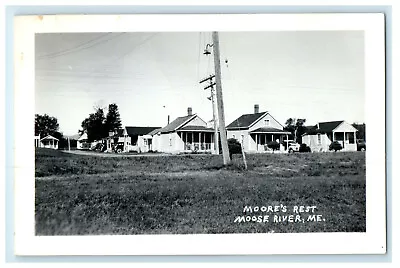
[{"x": 280, "y": 214}]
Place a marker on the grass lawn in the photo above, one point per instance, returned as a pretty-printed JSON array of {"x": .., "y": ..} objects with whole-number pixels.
[{"x": 190, "y": 194}]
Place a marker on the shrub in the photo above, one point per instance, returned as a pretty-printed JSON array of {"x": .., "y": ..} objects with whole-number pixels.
[
  {"x": 304, "y": 148},
  {"x": 273, "y": 145},
  {"x": 234, "y": 147},
  {"x": 335, "y": 146}
]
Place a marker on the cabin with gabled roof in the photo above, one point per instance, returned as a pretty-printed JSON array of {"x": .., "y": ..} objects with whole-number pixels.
[
  {"x": 256, "y": 130},
  {"x": 185, "y": 134},
  {"x": 320, "y": 136}
]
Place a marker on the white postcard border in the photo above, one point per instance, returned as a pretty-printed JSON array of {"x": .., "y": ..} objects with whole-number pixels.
[{"x": 371, "y": 242}]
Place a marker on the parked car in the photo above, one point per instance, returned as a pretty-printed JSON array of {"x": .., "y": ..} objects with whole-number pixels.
[
  {"x": 361, "y": 145},
  {"x": 292, "y": 146},
  {"x": 100, "y": 147},
  {"x": 119, "y": 147}
]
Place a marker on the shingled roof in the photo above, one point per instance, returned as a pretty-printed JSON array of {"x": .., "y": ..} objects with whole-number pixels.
[
  {"x": 245, "y": 121},
  {"x": 312, "y": 130},
  {"x": 132, "y": 131},
  {"x": 154, "y": 132},
  {"x": 327, "y": 127},
  {"x": 176, "y": 123},
  {"x": 324, "y": 127}
]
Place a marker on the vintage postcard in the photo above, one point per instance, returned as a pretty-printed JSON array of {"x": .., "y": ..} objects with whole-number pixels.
[{"x": 200, "y": 134}]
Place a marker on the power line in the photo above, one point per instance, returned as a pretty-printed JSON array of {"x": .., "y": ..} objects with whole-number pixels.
[
  {"x": 82, "y": 48},
  {"x": 132, "y": 49},
  {"x": 73, "y": 48}
]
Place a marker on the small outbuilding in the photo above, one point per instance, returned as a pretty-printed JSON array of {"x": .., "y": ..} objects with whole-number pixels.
[
  {"x": 49, "y": 142},
  {"x": 82, "y": 142}
]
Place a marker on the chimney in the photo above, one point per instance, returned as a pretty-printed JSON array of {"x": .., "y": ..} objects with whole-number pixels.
[
  {"x": 189, "y": 110},
  {"x": 256, "y": 108},
  {"x": 168, "y": 120}
]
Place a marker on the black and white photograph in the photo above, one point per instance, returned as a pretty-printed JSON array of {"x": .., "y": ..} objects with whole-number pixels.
[{"x": 210, "y": 132}]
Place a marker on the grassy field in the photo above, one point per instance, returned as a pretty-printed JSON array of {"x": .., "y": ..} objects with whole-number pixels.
[{"x": 77, "y": 195}]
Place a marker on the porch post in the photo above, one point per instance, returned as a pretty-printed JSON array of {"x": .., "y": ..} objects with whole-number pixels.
[
  {"x": 273, "y": 137},
  {"x": 344, "y": 139},
  {"x": 199, "y": 140},
  {"x": 256, "y": 141},
  {"x": 204, "y": 140},
  {"x": 192, "y": 146},
  {"x": 287, "y": 142},
  {"x": 355, "y": 139},
  {"x": 184, "y": 146}
]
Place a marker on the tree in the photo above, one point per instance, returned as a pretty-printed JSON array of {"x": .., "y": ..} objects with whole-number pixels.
[
  {"x": 300, "y": 129},
  {"x": 296, "y": 127},
  {"x": 361, "y": 130},
  {"x": 94, "y": 126},
  {"x": 113, "y": 119},
  {"x": 62, "y": 141},
  {"x": 98, "y": 125},
  {"x": 45, "y": 125}
]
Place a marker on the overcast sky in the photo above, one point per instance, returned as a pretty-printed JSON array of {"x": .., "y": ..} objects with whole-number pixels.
[{"x": 318, "y": 76}]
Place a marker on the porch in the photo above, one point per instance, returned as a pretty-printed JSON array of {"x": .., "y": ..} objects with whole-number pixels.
[
  {"x": 346, "y": 139},
  {"x": 261, "y": 137},
  {"x": 49, "y": 142},
  {"x": 197, "y": 141}
]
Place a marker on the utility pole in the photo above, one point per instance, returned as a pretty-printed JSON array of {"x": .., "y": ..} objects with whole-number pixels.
[
  {"x": 220, "y": 103},
  {"x": 212, "y": 98},
  {"x": 216, "y": 139}
]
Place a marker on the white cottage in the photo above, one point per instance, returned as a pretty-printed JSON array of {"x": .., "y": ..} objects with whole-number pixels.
[
  {"x": 49, "y": 142},
  {"x": 82, "y": 142},
  {"x": 319, "y": 137},
  {"x": 256, "y": 130},
  {"x": 184, "y": 134}
]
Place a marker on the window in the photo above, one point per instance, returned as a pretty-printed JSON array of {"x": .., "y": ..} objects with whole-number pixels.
[
  {"x": 319, "y": 138},
  {"x": 266, "y": 122},
  {"x": 233, "y": 136},
  {"x": 170, "y": 142}
]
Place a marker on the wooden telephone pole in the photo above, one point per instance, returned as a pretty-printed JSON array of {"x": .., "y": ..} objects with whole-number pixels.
[
  {"x": 220, "y": 103},
  {"x": 216, "y": 139},
  {"x": 212, "y": 98}
]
